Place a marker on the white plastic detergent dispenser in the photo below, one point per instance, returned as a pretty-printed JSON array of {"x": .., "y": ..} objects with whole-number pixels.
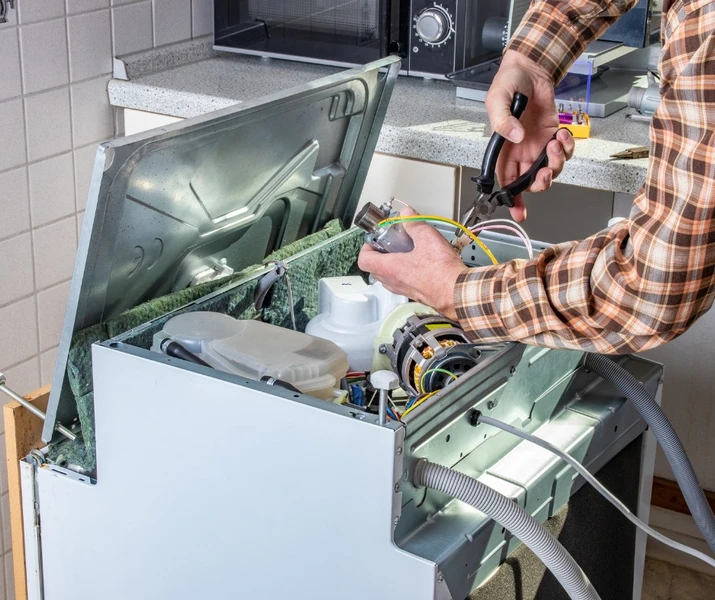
[{"x": 350, "y": 313}]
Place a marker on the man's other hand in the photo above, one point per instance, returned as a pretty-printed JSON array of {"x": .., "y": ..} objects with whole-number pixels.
[
  {"x": 528, "y": 136},
  {"x": 427, "y": 274}
]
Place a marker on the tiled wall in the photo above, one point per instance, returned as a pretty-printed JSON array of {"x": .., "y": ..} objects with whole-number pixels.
[{"x": 55, "y": 62}]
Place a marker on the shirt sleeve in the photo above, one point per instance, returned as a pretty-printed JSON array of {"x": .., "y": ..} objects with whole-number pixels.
[
  {"x": 554, "y": 33},
  {"x": 645, "y": 280}
]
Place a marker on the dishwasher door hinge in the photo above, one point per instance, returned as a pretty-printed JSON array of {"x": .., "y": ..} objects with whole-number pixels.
[{"x": 32, "y": 525}]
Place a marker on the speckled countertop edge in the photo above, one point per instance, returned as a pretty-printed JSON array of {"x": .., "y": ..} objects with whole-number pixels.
[
  {"x": 158, "y": 59},
  {"x": 616, "y": 176},
  {"x": 138, "y": 96},
  {"x": 425, "y": 120}
]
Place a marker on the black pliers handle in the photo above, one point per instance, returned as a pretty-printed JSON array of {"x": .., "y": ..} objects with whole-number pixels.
[
  {"x": 487, "y": 199},
  {"x": 486, "y": 179}
]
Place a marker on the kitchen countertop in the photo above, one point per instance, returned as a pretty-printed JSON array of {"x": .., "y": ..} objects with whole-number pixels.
[{"x": 425, "y": 119}]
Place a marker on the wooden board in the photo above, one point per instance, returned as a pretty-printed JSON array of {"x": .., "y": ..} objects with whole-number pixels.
[
  {"x": 667, "y": 494},
  {"x": 23, "y": 432}
]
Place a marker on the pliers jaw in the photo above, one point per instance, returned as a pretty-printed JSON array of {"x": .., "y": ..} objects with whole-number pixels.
[{"x": 480, "y": 211}]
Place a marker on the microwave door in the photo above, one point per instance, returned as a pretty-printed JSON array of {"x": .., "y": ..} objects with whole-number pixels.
[{"x": 350, "y": 32}]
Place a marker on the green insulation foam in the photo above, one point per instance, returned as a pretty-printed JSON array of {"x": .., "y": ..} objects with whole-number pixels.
[{"x": 138, "y": 325}]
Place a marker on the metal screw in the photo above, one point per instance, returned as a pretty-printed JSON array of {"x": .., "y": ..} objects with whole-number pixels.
[
  {"x": 415, "y": 49},
  {"x": 36, "y": 458},
  {"x": 396, "y": 521},
  {"x": 440, "y": 578},
  {"x": 512, "y": 370},
  {"x": 397, "y": 487},
  {"x": 383, "y": 349},
  {"x": 399, "y": 450}
]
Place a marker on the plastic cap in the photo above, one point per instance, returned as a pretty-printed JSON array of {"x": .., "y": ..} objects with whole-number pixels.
[{"x": 384, "y": 380}]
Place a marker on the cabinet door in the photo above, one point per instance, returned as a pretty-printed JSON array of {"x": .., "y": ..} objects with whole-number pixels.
[{"x": 430, "y": 188}]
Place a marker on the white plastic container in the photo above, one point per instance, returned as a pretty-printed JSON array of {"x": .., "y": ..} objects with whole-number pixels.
[
  {"x": 350, "y": 315},
  {"x": 254, "y": 349}
]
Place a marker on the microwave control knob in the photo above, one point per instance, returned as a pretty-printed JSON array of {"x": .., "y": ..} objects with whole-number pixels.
[{"x": 434, "y": 25}]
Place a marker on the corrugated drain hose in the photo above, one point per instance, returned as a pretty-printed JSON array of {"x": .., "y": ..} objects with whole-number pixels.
[
  {"x": 512, "y": 517},
  {"x": 664, "y": 432}
]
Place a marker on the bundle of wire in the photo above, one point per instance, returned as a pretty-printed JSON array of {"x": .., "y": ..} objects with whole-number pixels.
[
  {"x": 393, "y": 414},
  {"x": 355, "y": 376},
  {"x": 492, "y": 225},
  {"x": 506, "y": 225},
  {"x": 433, "y": 218},
  {"x": 417, "y": 401}
]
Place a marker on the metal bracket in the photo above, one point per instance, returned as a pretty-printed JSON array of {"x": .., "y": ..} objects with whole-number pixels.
[
  {"x": 217, "y": 270},
  {"x": 4, "y": 4}
]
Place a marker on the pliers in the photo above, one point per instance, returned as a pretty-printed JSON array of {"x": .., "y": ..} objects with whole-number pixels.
[
  {"x": 487, "y": 199},
  {"x": 629, "y": 153}
]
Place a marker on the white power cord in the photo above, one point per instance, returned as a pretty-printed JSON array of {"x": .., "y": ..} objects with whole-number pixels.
[
  {"x": 509, "y": 225},
  {"x": 600, "y": 488}
]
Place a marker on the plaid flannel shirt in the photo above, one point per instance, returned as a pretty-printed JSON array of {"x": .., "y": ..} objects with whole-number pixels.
[{"x": 645, "y": 280}]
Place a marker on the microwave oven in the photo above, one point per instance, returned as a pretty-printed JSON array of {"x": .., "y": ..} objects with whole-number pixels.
[{"x": 432, "y": 38}]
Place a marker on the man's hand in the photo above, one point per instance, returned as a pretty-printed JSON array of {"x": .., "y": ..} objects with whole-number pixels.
[
  {"x": 528, "y": 136},
  {"x": 427, "y": 274}
]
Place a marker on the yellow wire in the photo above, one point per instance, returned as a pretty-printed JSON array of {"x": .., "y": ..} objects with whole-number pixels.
[
  {"x": 474, "y": 238},
  {"x": 416, "y": 404},
  {"x": 428, "y": 371}
]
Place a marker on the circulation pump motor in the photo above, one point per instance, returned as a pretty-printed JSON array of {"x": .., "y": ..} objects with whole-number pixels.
[{"x": 429, "y": 352}]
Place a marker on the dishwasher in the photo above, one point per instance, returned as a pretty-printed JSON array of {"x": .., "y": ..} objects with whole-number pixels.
[{"x": 221, "y": 451}]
